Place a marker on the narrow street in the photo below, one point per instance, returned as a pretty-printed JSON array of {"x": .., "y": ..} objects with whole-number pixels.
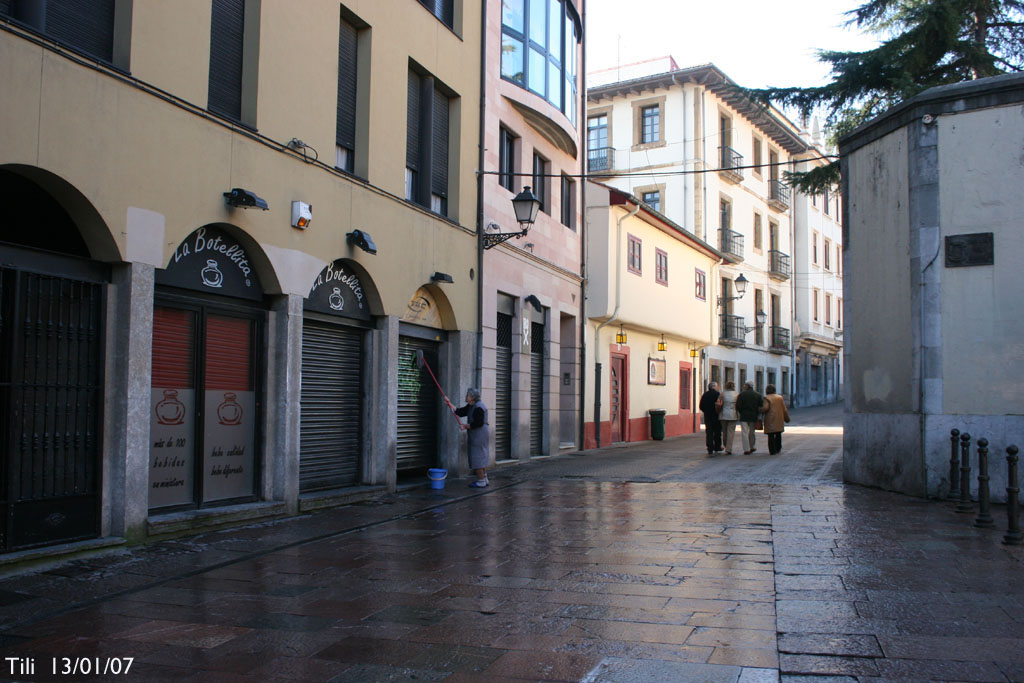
[{"x": 643, "y": 562}]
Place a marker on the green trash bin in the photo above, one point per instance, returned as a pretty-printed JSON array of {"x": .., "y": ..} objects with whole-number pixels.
[{"x": 657, "y": 424}]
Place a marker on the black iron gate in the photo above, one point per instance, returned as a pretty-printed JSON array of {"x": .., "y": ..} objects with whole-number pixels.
[{"x": 51, "y": 386}]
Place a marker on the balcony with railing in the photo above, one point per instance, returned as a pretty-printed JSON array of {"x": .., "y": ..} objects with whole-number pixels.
[
  {"x": 778, "y": 195},
  {"x": 780, "y": 340},
  {"x": 600, "y": 159},
  {"x": 779, "y": 267},
  {"x": 732, "y": 331},
  {"x": 731, "y": 244},
  {"x": 730, "y": 164}
]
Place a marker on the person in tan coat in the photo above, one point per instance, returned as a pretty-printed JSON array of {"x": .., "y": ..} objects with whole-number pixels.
[{"x": 775, "y": 418}]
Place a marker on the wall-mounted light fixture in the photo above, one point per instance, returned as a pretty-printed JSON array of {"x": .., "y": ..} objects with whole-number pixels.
[
  {"x": 244, "y": 199},
  {"x": 535, "y": 302},
  {"x": 440, "y": 277},
  {"x": 302, "y": 214},
  {"x": 620, "y": 336},
  {"x": 741, "y": 287},
  {"x": 526, "y": 205},
  {"x": 693, "y": 352},
  {"x": 761, "y": 318},
  {"x": 662, "y": 346},
  {"x": 361, "y": 239}
]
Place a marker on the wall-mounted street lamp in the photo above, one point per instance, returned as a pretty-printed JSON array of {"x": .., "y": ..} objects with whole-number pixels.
[
  {"x": 761, "y": 318},
  {"x": 620, "y": 336},
  {"x": 662, "y": 346},
  {"x": 741, "y": 286},
  {"x": 526, "y": 205}
]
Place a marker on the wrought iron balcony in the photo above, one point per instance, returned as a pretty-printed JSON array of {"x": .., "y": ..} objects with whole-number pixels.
[
  {"x": 731, "y": 243},
  {"x": 600, "y": 159},
  {"x": 780, "y": 340},
  {"x": 779, "y": 267},
  {"x": 730, "y": 164},
  {"x": 778, "y": 195},
  {"x": 732, "y": 331}
]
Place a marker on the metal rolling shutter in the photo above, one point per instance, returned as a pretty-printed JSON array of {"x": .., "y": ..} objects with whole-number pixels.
[
  {"x": 225, "y": 84},
  {"x": 418, "y": 401},
  {"x": 503, "y": 389},
  {"x": 330, "y": 443},
  {"x": 537, "y": 389},
  {"x": 86, "y": 25}
]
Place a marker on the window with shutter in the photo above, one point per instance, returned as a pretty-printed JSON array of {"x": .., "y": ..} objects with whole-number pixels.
[
  {"x": 346, "y": 126},
  {"x": 428, "y": 123},
  {"x": 83, "y": 25},
  {"x": 226, "y": 41}
]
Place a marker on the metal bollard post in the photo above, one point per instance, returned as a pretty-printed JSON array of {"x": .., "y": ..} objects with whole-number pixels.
[
  {"x": 965, "y": 504},
  {"x": 984, "y": 516},
  {"x": 1013, "y": 535},
  {"x": 954, "y": 464}
]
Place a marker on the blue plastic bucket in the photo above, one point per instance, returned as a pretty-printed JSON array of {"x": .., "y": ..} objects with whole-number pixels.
[{"x": 437, "y": 478}]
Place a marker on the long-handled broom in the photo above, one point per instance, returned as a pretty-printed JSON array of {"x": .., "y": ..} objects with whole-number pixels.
[{"x": 421, "y": 362}]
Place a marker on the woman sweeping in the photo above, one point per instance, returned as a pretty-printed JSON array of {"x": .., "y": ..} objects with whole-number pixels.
[{"x": 478, "y": 438}]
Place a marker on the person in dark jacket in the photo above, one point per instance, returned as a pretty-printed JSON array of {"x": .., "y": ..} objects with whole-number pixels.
[
  {"x": 712, "y": 427},
  {"x": 749, "y": 406},
  {"x": 478, "y": 438}
]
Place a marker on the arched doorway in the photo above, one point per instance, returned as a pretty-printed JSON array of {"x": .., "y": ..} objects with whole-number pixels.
[
  {"x": 335, "y": 324},
  {"x": 209, "y": 319},
  {"x": 52, "y": 313}
]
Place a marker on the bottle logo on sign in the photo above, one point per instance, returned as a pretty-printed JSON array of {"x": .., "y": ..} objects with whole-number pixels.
[
  {"x": 335, "y": 300},
  {"x": 212, "y": 277},
  {"x": 170, "y": 411},
  {"x": 229, "y": 412}
]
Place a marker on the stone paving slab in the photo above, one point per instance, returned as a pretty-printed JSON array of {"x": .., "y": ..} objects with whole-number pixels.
[{"x": 649, "y": 562}]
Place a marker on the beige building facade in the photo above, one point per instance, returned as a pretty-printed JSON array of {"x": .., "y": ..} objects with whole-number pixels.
[
  {"x": 649, "y": 312},
  {"x": 238, "y": 237}
]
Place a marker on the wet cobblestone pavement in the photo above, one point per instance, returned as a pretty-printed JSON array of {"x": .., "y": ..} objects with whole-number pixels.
[{"x": 649, "y": 562}]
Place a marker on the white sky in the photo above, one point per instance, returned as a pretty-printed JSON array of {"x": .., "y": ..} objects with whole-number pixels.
[{"x": 757, "y": 43}]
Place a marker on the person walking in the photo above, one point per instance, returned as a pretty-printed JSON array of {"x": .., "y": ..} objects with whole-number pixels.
[
  {"x": 774, "y": 419},
  {"x": 749, "y": 404},
  {"x": 728, "y": 416},
  {"x": 478, "y": 437},
  {"x": 712, "y": 426}
]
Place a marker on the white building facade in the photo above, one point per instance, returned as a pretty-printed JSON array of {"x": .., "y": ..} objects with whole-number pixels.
[
  {"x": 818, "y": 298},
  {"x": 689, "y": 144}
]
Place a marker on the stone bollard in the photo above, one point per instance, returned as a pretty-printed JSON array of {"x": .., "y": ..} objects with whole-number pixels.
[
  {"x": 984, "y": 519},
  {"x": 954, "y": 464},
  {"x": 1013, "y": 535},
  {"x": 965, "y": 504}
]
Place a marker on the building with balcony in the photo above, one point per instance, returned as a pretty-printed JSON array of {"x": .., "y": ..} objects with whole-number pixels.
[
  {"x": 818, "y": 339},
  {"x": 649, "y": 312},
  {"x": 228, "y": 241},
  {"x": 687, "y": 141},
  {"x": 531, "y": 286}
]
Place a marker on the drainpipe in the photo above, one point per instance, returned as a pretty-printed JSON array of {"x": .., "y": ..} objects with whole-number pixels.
[
  {"x": 615, "y": 314},
  {"x": 478, "y": 379},
  {"x": 583, "y": 238}
]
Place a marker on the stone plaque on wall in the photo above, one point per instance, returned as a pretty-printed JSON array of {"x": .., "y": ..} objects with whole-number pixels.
[{"x": 977, "y": 249}]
